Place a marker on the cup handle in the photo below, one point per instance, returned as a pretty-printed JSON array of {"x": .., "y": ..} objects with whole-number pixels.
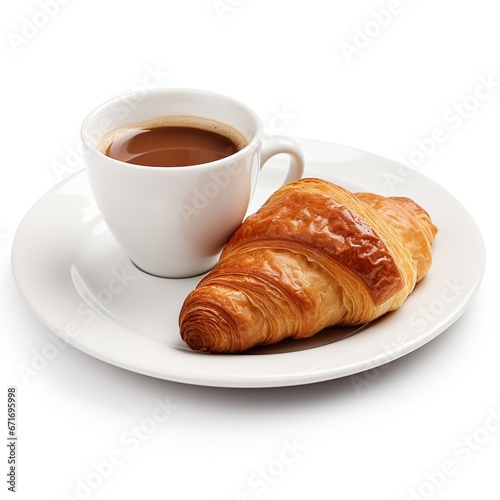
[{"x": 281, "y": 144}]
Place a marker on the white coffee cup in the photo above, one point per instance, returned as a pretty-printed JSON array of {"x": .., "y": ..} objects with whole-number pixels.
[{"x": 173, "y": 221}]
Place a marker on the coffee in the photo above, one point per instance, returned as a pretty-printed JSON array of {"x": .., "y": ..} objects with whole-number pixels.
[{"x": 174, "y": 141}]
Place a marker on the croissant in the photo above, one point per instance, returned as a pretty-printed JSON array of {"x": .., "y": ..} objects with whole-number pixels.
[{"x": 314, "y": 255}]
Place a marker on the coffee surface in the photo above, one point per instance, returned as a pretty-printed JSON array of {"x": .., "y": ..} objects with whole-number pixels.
[{"x": 173, "y": 142}]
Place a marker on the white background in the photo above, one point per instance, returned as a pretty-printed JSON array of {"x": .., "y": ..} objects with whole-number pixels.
[{"x": 283, "y": 58}]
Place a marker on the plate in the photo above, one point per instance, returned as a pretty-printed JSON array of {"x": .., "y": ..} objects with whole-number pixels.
[{"x": 76, "y": 279}]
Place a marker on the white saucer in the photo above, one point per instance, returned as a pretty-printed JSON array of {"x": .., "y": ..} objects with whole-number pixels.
[{"x": 78, "y": 282}]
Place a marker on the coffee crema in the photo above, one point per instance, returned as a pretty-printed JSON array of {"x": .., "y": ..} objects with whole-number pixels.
[{"x": 172, "y": 141}]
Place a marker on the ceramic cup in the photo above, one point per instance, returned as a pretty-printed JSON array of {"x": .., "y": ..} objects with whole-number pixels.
[{"x": 173, "y": 221}]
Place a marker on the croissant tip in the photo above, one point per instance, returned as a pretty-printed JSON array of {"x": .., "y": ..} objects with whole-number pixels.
[{"x": 194, "y": 342}]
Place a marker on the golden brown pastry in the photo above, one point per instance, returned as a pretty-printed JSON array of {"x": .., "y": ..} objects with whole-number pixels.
[{"x": 315, "y": 255}]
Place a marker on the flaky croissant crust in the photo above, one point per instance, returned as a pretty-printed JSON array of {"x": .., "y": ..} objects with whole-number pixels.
[{"x": 314, "y": 255}]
